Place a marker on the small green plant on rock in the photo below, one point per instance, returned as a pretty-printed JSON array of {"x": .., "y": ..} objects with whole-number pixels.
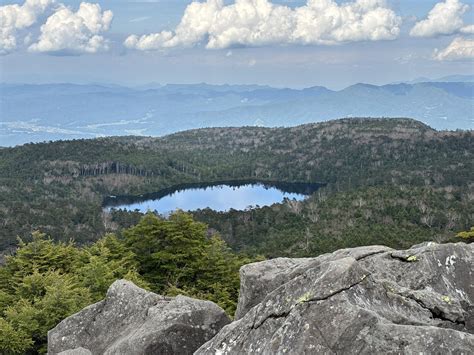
[{"x": 467, "y": 235}]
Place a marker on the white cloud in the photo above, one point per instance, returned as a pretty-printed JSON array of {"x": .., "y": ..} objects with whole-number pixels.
[
  {"x": 468, "y": 29},
  {"x": 459, "y": 49},
  {"x": 14, "y": 18},
  {"x": 260, "y": 22},
  {"x": 445, "y": 18},
  {"x": 69, "y": 32}
]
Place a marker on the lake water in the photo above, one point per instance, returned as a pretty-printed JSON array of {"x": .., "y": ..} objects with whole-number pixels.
[{"x": 221, "y": 197}]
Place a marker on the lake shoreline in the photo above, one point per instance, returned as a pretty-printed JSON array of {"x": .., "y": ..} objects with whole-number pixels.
[{"x": 299, "y": 188}]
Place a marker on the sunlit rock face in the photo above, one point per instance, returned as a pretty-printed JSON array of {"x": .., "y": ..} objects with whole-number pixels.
[
  {"x": 362, "y": 300},
  {"x": 131, "y": 320}
]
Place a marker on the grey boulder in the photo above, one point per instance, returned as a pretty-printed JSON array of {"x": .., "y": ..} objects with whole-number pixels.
[
  {"x": 368, "y": 300},
  {"x": 131, "y": 320},
  {"x": 76, "y": 351}
]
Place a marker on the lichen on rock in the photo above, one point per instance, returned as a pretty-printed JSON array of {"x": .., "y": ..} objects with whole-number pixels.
[
  {"x": 363, "y": 300},
  {"x": 368, "y": 300}
]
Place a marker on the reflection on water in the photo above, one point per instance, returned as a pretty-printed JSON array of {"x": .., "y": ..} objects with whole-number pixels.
[{"x": 220, "y": 197}]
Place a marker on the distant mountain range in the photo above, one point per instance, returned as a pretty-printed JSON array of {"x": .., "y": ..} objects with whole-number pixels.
[
  {"x": 32, "y": 113},
  {"x": 446, "y": 79}
]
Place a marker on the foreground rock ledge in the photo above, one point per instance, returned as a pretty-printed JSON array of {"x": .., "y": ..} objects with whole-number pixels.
[
  {"x": 131, "y": 320},
  {"x": 370, "y": 300}
]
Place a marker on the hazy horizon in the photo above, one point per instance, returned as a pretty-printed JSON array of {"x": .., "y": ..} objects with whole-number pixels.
[{"x": 463, "y": 78}]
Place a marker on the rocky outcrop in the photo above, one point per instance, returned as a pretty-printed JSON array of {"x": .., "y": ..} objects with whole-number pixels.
[
  {"x": 362, "y": 300},
  {"x": 77, "y": 351},
  {"x": 259, "y": 279},
  {"x": 131, "y": 320},
  {"x": 367, "y": 300}
]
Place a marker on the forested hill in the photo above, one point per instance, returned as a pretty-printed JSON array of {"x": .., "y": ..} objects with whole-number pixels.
[{"x": 59, "y": 187}]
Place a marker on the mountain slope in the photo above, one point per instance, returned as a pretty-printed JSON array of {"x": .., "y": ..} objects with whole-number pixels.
[
  {"x": 59, "y": 187},
  {"x": 66, "y": 111}
]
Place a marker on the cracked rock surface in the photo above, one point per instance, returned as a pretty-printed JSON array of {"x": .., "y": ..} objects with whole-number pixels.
[
  {"x": 362, "y": 300},
  {"x": 131, "y": 320}
]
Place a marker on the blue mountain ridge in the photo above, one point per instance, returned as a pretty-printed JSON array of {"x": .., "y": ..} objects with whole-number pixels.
[{"x": 31, "y": 113}]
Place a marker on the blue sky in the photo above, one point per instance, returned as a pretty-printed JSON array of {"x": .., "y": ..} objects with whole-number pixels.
[{"x": 387, "y": 51}]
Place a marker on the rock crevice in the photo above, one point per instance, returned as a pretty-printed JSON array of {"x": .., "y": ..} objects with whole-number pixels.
[
  {"x": 366, "y": 300},
  {"x": 361, "y": 300}
]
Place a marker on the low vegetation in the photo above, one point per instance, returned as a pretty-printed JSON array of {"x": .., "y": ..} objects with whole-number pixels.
[
  {"x": 467, "y": 235},
  {"x": 46, "y": 281}
]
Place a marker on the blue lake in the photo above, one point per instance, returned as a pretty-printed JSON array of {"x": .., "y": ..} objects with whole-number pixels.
[{"x": 219, "y": 197}]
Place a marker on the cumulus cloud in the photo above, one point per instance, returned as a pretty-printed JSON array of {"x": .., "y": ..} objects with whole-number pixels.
[
  {"x": 260, "y": 22},
  {"x": 468, "y": 29},
  {"x": 445, "y": 18},
  {"x": 14, "y": 18},
  {"x": 459, "y": 49},
  {"x": 69, "y": 32}
]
